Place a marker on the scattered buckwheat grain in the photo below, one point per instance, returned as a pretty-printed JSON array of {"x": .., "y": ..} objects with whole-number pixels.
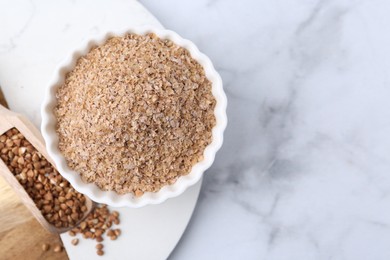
[
  {"x": 75, "y": 241},
  {"x": 96, "y": 224},
  {"x": 57, "y": 248},
  {"x": 45, "y": 247}
]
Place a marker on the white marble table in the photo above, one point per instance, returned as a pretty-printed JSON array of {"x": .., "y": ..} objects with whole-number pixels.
[{"x": 304, "y": 172}]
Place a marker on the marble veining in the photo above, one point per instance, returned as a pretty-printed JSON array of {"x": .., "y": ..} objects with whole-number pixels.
[{"x": 303, "y": 172}]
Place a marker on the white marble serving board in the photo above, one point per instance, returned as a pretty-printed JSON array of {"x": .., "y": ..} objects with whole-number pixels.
[{"x": 34, "y": 37}]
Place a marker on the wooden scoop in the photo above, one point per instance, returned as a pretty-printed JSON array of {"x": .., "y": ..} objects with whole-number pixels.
[{"x": 9, "y": 120}]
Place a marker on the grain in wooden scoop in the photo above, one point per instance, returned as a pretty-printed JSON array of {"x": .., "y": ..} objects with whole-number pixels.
[{"x": 57, "y": 200}]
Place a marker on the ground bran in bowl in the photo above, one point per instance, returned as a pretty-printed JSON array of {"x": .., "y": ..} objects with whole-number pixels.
[{"x": 134, "y": 114}]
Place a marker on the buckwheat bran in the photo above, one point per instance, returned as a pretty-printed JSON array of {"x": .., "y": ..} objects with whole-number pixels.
[{"x": 135, "y": 114}]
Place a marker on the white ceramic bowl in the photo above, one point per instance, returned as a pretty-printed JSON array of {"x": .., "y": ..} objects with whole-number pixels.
[{"x": 110, "y": 197}]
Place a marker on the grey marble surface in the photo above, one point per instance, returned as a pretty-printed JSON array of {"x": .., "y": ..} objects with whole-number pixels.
[{"x": 303, "y": 173}]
